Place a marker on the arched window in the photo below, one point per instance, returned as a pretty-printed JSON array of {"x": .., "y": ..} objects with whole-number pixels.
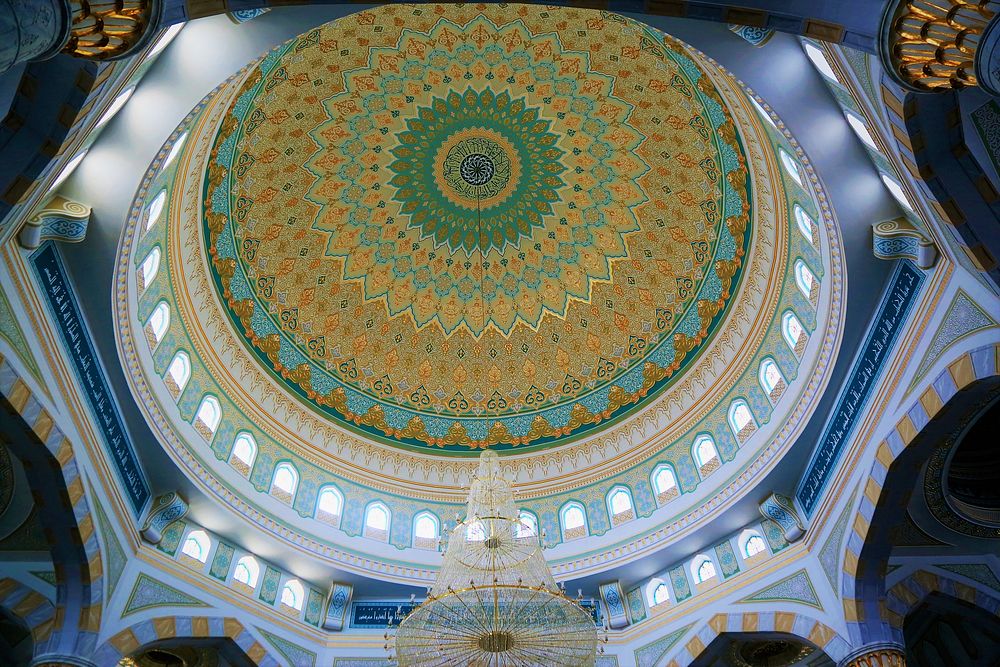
[
  {"x": 206, "y": 420},
  {"x": 196, "y": 545},
  {"x": 168, "y": 37},
  {"x": 741, "y": 420},
  {"x": 148, "y": 269},
  {"x": 244, "y": 453},
  {"x": 247, "y": 571},
  {"x": 761, "y": 111},
  {"x": 806, "y": 281},
  {"x": 377, "y": 522},
  {"x": 620, "y": 502},
  {"x": 754, "y": 545},
  {"x": 805, "y": 224},
  {"x": 155, "y": 209},
  {"x": 285, "y": 482},
  {"x": 425, "y": 531},
  {"x": 574, "y": 521},
  {"x": 115, "y": 106},
  {"x": 527, "y": 525},
  {"x": 705, "y": 454},
  {"x": 794, "y": 333},
  {"x": 174, "y": 150},
  {"x": 704, "y": 571},
  {"x": 791, "y": 166},
  {"x": 330, "y": 505},
  {"x": 159, "y": 322},
  {"x": 665, "y": 484},
  {"x": 861, "y": 130},
  {"x": 771, "y": 379},
  {"x": 293, "y": 594},
  {"x": 178, "y": 373},
  {"x": 819, "y": 60},
  {"x": 68, "y": 169},
  {"x": 661, "y": 594},
  {"x": 896, "y": 190}
]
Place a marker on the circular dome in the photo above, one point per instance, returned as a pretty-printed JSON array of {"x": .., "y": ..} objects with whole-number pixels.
[
  {"x": 472, "y": 234},
  {"x": 420, "y": 231}
]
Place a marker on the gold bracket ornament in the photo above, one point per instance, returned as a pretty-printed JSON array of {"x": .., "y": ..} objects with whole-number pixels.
[
  {"x": 899, "y": 239},
  {"x": 933, "y": 45},
  {"x": 108, "y": 29},
  {"x": 61, "y": 220}
]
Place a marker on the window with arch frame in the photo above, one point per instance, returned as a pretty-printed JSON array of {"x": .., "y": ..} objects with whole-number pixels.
[
  {"x": 208, "y": 416},
  {"x": 329, "y": 505},
  {"x": 806, "y": 281},
  {"x": 244, "y": 453},
  {"x": 794, "y": 333},
  {"x": 705, "y": 570},
  {"x": 805, "y": 223},
  {"x": 791, "y": 166},
  {"x": 148, "y": 269},
  {"x": 705, "y": 454},
  {"x": 197, "y": 544},
  {"x": 157, "y": 324},
  {"x": 425, "y": 531},
  {"x": 771, "y": 379},
  {"x": 247, "y": 572},
  {"x": 285, "y": 482},
  {"x": 741, "y": 420},
  {"x": 660, "y": 594},
  {"x": 293, "y": 595},
  {"x": 178, "y": 373},
  {"x": 574, "y": 521},
  {"x": 620, "y": 501},
  {"x": 155, "y": 209},
  {"x": 377, "y": 522},
  {"x": 665, "y": 484},
  {"x": 754, "y": 545}
]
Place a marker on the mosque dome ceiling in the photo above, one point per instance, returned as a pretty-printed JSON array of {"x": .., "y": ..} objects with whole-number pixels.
[{"x": 420, "y": 231}]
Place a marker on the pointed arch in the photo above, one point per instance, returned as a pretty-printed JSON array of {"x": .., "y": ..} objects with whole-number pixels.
[
  {"x": 573, "y": 521},
  {"x": 741, "y": 420},
  {"x": 157, "y": 324},
  {"x": 247, "y": 572},
  {"x": 148, "y": 269},
  {"x": 293, "y": 595},
  {"x": 178, "y": 373},
  {"x": 244, "y": 453},
  {"x": 706, "y": 455},
  {"x": 122, "y": 644},
  {"x": 771, "y": 380},
  {"x": 806, "y": 225},
  {"x": 378, "y": 521},
  {"x": 664, "y": 481},
  {"x": 806, "y": 281},
  {"x": 794, "y": 333},
  {"x": 426, "y": 530},
  {"x": 196, "y": 545},
  {"x": 620, "y": 505},
  {"x": 330, "y": 505},
  {"x": 285, "y": 482},
  {"x": 208, "y": 416},
  {"x": 791, "y": 166},
  {"x": 527, "y": 525},
  {"x": 155, "y": 209}
]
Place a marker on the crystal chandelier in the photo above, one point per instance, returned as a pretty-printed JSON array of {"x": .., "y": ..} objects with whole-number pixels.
[{"x": 495, "y": 602}]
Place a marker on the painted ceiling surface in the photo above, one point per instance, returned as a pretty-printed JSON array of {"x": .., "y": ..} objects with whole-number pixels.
[
  {"x": 480, "y": 229},
  {"x": 550, "y": 231}
]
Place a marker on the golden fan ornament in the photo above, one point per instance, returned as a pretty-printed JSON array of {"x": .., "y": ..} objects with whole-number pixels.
[{"x": 495, "y": 602}]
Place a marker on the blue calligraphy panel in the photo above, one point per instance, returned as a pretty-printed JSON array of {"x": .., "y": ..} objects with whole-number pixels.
[
  {"x": 896, "y": 303},
  {"x": 90, "y": 374}
]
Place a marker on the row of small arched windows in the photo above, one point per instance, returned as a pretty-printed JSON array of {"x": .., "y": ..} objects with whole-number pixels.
[
  {"x": 197, "y": 546},
  {"x": 703, "y": 568}
]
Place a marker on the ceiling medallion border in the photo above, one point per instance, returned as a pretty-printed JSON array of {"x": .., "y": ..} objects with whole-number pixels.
[{"x": 410, "y": 573}]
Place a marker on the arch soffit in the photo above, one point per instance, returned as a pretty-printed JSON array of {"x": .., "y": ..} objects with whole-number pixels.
[{"x": 968, "y": 369}]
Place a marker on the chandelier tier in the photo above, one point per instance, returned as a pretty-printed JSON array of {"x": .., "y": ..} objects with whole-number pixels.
[{"x": 495, "y": 602}]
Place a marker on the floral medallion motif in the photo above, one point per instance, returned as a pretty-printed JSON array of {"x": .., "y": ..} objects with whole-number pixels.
[{"x": 480, "y": 229}]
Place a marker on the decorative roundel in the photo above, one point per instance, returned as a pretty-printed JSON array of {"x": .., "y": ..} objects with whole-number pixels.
[
  {"x": 419, "y": 231},
  {"x": 477, "y": 233}
]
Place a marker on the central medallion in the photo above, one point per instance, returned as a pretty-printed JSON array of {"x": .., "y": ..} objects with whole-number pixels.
[{"x": 481, "y": 229}]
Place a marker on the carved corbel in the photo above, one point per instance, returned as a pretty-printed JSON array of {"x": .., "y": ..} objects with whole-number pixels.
[
  {"x": 899, "y": 239},
  {"x": 60, "y": 220},
  {"x": 164, "y": 511},
  {"x": 781, "y": 510}
]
